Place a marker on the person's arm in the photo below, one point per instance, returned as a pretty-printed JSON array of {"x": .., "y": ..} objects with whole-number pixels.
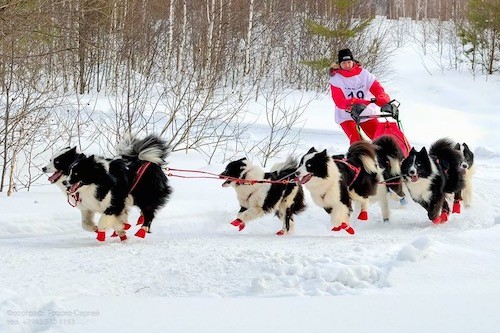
[{"x": 381, "y": 98}]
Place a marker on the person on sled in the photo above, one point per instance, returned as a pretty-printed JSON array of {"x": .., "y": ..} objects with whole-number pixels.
[{"x": 352, "y": 84}]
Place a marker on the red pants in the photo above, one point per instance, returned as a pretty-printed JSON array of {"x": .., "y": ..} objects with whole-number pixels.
[{"x": 369, "y": 127}]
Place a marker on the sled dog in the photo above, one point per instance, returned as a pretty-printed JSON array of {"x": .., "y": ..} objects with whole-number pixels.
[
  {"x": 257, "y": 197},
  {"x": 429, "y": 176}
]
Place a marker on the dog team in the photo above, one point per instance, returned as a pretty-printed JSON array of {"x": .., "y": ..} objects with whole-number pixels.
[{"x": 369, "y": 171}]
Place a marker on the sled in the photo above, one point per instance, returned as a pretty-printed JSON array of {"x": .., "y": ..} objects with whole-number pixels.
[{"x": 387, "y": 127}]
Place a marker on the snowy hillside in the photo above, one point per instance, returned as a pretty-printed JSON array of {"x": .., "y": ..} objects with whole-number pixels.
[{"x": 196, "y": 273}]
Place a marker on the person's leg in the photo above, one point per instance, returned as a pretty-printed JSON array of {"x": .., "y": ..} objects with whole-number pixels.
[
  {"x": 349, "y": 127},
  {"x": 370, "y": 127}
]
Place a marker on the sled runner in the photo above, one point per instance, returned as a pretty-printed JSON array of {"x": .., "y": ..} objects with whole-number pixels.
[{"x": 390, "y": 110}]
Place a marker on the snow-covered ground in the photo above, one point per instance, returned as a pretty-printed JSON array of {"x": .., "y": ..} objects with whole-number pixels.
[{"x": 197, "y": 273}]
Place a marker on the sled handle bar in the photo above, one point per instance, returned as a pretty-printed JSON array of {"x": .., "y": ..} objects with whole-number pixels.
[{"x": 390, "y": 110}]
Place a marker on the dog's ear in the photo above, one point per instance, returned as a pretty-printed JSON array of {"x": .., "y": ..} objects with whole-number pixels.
[
  {"x": 466, "y": 147},
  {"x": 312, "y": 150},
  {"x": 323, "y": 153},
  {"x": 457, "y": 146},
  {"x": 241, "y": 159},
  {"x": 412, "y": 151},
  {"x": 423, "y": 151}
]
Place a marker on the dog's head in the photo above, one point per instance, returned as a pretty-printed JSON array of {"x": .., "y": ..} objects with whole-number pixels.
[
  {"x": 313, "y": 164},
  {"x": 61, "y": 162},
  {"x": 467, "y": 154},
  {"x": 418, "y": 164},
  {"x": 235, "y": 170},
  {"x": 86, "y": 171}
]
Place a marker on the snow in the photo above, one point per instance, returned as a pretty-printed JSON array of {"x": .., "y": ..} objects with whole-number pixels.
[{"x": 196, "y": 273}]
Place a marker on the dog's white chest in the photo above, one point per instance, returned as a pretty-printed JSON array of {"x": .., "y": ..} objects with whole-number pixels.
[
  {"x": 420, "y": 190},
  {"x": 88, "y": 199}
]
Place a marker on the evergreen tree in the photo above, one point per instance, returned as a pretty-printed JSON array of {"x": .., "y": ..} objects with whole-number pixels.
[
  {"x": 481, "y": 34},
  {"x": 340, "y": 31}
]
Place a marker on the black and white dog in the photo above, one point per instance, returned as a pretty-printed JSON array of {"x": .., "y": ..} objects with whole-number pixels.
[
  {"x": 59, "y": 166},
  {"x": 389, "y": 158},
  {"x": 111, "y": 186},
  {"x": 333, "y": 182},
  {"x": 469, "y": 170},
  {"x": 260, "y": 192},
  {"x": 430, "y": 176}
]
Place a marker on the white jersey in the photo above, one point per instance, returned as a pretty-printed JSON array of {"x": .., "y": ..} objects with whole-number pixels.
[{"x": 357, "y": 86}]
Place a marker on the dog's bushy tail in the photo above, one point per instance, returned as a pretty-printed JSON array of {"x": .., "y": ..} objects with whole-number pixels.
[
  {"x": 362, "y": 153},
  {"x": 152, "y": 149},
  {"x": 444, "y": 149},
  {"x": 387, "y": 146},
  {"x": 286, "y": 168}
]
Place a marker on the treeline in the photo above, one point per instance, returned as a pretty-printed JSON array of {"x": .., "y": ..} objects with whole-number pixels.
[{"x": 187, "y": 68}]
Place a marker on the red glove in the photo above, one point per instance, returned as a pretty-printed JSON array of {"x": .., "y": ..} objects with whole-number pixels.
[
  {"x": 382, "y": 99},
  {"x": 353, "y": 101}
]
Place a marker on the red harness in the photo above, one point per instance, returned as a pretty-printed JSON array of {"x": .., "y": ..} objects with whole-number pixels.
[
  {"x": 356, "y": 169},
  {"x": 138, "y": 176}
]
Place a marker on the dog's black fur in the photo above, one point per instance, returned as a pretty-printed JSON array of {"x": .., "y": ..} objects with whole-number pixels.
[
  {"x": 333, "y": 182},
  {"x": 260, "y": 197},
  {"x": 111, "y": 186},
  {"x": 430, "y": 176},
  {"x": 389, "y": 158},
  {"x": 468, "y": 169}
]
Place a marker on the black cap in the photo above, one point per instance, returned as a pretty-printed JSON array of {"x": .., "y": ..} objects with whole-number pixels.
[{"x": 344, "y": 55}]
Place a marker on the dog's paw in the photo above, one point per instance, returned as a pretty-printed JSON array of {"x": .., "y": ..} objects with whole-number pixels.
[
  {"x": 344, "y": 226},
  {"x": 101, "y": 236},
  {"x": 437, "y": 220},
  {"x": 141, "y": 233},
  {"x": 363, "y": 215},
  {"x": 444, "y": 217},
  {"x": 238, "y": 223}
]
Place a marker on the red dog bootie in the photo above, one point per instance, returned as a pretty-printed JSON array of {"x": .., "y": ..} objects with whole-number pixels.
[
  {"x": 140, "y": 220},
  {"x": 349, "y": 230},
  {"x": 238, "y": 223},
  {"x": 444, "y": 216},
  {"x": 437, "y": 220},
  {"x": 363, "y": 215},
  {"x": 141, "y": 233},
  {"x": 280, "y": 233},
  {"x": 344, "y": 226},
  {"x": 456, "y": 207},
  {"x": 101, "y": 236}
]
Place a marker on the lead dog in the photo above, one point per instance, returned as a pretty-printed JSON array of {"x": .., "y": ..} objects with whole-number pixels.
[
  {"x": 59, "y": 166},
  {"x": 111, "y": 186},
  {"x": 258, "y": 197},
  {"x": 333, "y": 182}
]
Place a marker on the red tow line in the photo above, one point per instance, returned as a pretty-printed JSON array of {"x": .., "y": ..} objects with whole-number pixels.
[{"x": 234, "y": 179}]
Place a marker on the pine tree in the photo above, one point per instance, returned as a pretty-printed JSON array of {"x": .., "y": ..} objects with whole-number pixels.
[
  {"x": 481, "y": 33},
  {"x": 342, "y": 28}
]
